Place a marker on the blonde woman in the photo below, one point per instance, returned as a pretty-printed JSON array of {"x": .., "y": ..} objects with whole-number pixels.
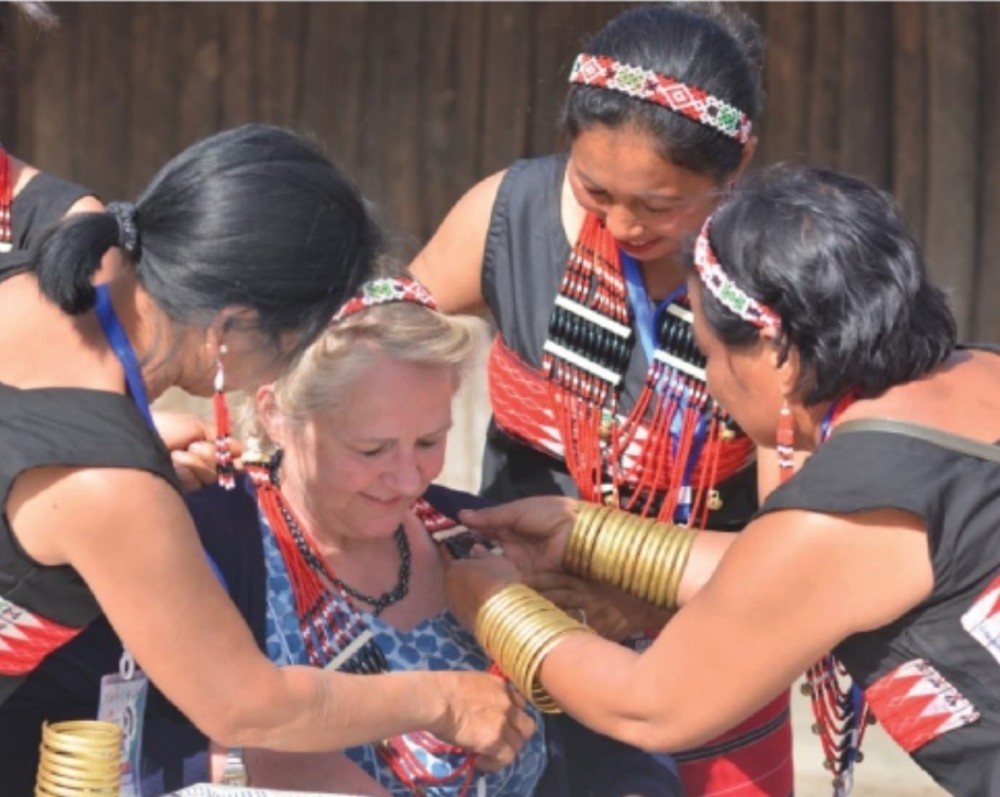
[{"x": 342, "y": 555}]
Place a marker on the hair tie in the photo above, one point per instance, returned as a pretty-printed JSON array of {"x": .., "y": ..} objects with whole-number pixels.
[{"x": 128, "y": 232}]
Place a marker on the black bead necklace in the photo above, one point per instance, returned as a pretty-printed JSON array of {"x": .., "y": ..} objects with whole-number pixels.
[{"x": 378, "y": 603}]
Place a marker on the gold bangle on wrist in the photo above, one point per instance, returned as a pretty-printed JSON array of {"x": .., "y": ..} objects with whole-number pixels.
[{"x": 518, "y": 628}]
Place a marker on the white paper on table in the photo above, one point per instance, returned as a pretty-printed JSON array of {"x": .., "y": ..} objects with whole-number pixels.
[{"x": 216, "y": 790}]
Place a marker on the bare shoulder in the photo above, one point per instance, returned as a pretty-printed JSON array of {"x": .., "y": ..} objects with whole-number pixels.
[
  {"x": 86, "y": 204},
  {"x": 451, "y": 263},
  {"x": 961, "y": 397},
  {"x": 57, "y": 512},
  {"x": 874, "y": 563}
]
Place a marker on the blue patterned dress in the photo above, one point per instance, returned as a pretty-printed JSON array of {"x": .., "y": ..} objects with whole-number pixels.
[{"x": 437, "y": 643}]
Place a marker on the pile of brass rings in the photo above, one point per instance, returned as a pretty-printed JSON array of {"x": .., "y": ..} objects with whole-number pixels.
[{"x": 79, "y": 758}]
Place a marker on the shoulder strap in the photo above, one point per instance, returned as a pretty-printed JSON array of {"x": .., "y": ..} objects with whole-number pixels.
[{"x": 952, "y": 442}]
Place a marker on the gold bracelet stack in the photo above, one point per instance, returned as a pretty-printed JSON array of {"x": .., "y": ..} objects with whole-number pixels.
[
  {"x": 78, "y": 758},
  {"x": 518, "y": 628},
  {"x": 643, "y": 557}
]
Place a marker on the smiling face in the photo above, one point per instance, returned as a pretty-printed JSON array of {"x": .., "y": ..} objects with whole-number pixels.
[
  {"x": 651, "y": 207},
  {"x": 355, "y": 468}
]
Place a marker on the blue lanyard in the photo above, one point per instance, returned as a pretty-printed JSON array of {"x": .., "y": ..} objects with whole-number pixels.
[
  {"x": 645, "y": 316},
  {"x": 838, "y": 406},
  {"x": 123, "y": 350},
  {"x": 646, "y": 319}
]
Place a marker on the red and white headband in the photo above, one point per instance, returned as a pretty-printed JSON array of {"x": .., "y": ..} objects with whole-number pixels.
[
  {"x": 605, "y": 72},
  {"x": 728, "y": 293},
  {"x": 386, "y": 290}
]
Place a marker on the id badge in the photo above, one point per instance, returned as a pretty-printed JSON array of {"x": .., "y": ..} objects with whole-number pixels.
[{"x": 123, "y": 702}]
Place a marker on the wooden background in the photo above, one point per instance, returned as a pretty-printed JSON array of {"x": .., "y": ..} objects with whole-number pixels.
[{"x": 419, "y": 100}]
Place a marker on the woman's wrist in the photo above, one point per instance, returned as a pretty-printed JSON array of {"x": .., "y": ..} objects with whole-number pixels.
[{"x": 518, "y": 628}]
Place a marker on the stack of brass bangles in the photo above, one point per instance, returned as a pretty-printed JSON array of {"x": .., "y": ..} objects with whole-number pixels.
[
  {"x": 643, "y": 557},
  {"x": 518, "y": 628}
]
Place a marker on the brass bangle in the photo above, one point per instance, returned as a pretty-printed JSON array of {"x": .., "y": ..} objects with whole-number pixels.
[
  {"x": 590, "y": 519},
  {"x": 518, "y": 628},
  {"x": 677, "y": 572},
  {"x": 664, "y": 566},
  {"x": 630, "y": 554},
  {"x": 640, "y": 556},
  {"x": 657, "y": 540}
]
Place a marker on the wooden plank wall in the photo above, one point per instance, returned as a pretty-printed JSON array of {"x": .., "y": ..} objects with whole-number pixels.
[{"x": 419, "y": 100}]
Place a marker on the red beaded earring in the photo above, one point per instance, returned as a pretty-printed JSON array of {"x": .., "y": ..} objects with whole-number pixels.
[
  {"x": 224, "y": 468},
  {"x": 786, "y": 442}
]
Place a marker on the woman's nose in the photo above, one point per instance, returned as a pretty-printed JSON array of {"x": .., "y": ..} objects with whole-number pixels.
[
  {"x": 622, "y": 223},
  {"x": 405, "y": 474}
]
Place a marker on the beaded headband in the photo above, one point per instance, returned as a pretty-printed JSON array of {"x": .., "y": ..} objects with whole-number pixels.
[
  {"x": 386, "y": 290},
  {"x": 605, "y": 72},
  {"x": 722, "y": 287}
]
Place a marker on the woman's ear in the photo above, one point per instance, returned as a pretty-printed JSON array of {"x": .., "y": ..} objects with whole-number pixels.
[
  {"x": 227, "y": 320},
  {"x": 784, "y": 359},
  {"x": 748, "y": 152},
  {"x": 268, "y": 414}
]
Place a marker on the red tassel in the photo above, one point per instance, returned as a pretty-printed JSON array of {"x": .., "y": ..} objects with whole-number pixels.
[
  {"x": 224, "y": 468},
  {"x": 786, "y": 443}
]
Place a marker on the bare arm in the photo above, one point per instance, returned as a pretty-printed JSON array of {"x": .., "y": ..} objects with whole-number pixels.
[
  {"x": 788, "y": 590},
  {"x": 451, "y": 264},
  {"x": 130, "y": 537}
]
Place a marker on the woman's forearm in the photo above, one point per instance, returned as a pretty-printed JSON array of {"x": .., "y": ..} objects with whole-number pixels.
[
  {"x": 307, "y": 709},
  {"x": 597, "y": 682}
]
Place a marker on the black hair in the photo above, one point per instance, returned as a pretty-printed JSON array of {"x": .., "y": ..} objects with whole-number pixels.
[
  {"x": 831, "y": 256},
  {"x": 712, "y": 46},
  {"x": 255, "y": 217}
]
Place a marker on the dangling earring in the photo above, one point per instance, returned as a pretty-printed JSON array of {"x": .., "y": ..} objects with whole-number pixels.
[
  {"x": 224, "y": 468},
  {"x": 786, "y": 443}
]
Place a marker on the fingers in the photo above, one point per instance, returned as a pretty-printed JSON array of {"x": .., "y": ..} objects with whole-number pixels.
[
  {"x": 193, "y": 472},
  {"x": 516, "y": 731},
  {"x": 491, "y": 520}
]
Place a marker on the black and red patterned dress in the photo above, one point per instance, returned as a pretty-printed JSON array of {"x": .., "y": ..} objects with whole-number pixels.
[{"x": 931, "y": 677}]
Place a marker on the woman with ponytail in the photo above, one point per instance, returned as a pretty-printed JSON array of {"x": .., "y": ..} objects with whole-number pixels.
[{"x": 235, "y": 258}]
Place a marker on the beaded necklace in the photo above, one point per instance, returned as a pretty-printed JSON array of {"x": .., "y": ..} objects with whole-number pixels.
[
  {"x": 839, "y": 707},
  {"x": 665, "y": 456},
  {"x": 336, "y": 636},
  {"x": 6, "y": 200}
]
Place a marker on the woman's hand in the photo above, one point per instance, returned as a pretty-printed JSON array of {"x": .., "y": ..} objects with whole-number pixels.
[
  {"x": 486, "y": 716},
  {"x": 532, "y": 531},
  {"x": 190, "y": 440},
  {"x": 612, "y": 613}
]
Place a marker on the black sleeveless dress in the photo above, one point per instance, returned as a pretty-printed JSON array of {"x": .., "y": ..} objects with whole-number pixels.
[
  {"x": 41, "y": 607},
  {"x": 932, "y": 677}
]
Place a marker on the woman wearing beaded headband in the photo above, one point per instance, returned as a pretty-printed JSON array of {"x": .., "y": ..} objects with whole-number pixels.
[
  {"x": 334, "y": 548},
  {"x": 823, "y": 334},
  {"x": 237, "y": 255},
  {"x": 596, "y": 386}
]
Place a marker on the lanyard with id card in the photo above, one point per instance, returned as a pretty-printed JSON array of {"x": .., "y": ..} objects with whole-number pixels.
[{"x": 123, "y": 702}]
